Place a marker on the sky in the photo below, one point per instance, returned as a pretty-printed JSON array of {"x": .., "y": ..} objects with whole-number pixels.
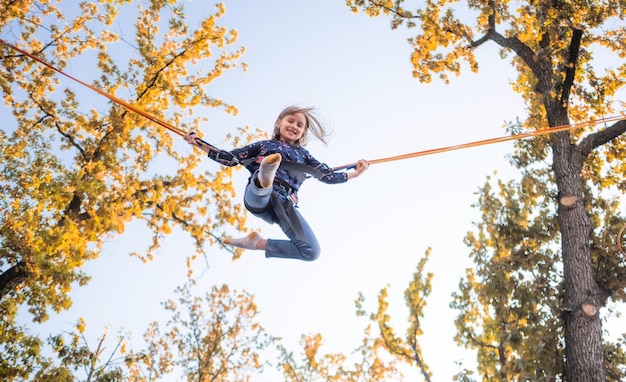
[{"x": 374, "y": 229}]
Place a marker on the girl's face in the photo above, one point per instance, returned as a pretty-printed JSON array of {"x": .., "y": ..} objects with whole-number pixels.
[{"x": 291, "y": 127}]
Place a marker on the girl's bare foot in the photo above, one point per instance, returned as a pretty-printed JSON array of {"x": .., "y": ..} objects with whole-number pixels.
[{"x": 252, "y": 241}]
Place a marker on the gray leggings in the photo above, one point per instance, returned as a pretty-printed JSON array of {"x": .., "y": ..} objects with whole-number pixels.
[{"x": 302, "y": 243}]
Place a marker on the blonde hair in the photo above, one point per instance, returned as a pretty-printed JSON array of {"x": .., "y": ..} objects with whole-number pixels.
[{"x": 313, "y": 124}]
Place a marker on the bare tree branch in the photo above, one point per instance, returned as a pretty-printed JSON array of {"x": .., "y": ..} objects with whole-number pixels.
[
  {"x": 12, "y": 278},
  {"x": 570, "y": 71},
  {"x": 601, "y": 137}
]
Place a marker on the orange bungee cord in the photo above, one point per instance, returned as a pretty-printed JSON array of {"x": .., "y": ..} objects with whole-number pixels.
[
  {"x": 107, "y": 95},
  {"x": 552, "y": 130},
  {"x": 180, "y": 132}
]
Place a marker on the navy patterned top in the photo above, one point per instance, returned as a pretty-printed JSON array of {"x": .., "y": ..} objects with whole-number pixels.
[{"x": 290, "y": 153}]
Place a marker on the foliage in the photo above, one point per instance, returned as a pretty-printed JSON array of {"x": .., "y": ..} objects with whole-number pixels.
[
  {"x": 546, "y": 263},
  {"x": 510, "y": 303},
  {"x": 20, "y": 352},
  {"x": 76, "y": 361},
  {"x": 211, "y": 338},
  {"x": 364, "y": 365},
  {"x": 76, "y": 169},
  {"x": 406, "y": 349}
]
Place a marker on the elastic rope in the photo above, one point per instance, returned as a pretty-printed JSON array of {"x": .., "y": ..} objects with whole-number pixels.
[
  {"x": 553, "y": 130},
  {"x": 180, "y": 132},
  {"x": 107, "y": 95}
]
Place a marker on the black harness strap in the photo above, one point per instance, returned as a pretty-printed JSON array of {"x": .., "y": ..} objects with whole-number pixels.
[
  {"x": 286, "y": 213},
  {"x": 301, "y": 169},
  {"x": 295, "y": 168}
]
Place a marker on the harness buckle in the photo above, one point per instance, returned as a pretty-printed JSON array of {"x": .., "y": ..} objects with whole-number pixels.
[{"x": 294, "y": 198}]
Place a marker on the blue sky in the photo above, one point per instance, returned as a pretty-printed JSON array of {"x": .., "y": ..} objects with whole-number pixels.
[{"x": 372, "y": 230}]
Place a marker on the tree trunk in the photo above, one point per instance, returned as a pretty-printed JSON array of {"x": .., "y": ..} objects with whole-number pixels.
[{"x": 583, "y": 328}]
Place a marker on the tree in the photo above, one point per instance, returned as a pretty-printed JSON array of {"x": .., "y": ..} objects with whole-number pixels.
[
  {"x": 364, "y": 364},
  {"x": 554, "y": 47},
  {"x": 211, "y": 338},
  {"x": 406, "y": 349},
  {"x": 73, "y": 174},
  {"x": 76, "y": 361},
  {"x": 20, "y": 352},
  {"x": 510, "y": 302}
]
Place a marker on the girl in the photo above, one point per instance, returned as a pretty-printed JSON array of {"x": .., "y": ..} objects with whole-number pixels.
[{"x": 277, "y": 169}]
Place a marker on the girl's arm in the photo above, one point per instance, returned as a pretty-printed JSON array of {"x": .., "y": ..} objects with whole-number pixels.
[
  {"x": 222, "y": 157},
  {"x": 332, "y": 176}
]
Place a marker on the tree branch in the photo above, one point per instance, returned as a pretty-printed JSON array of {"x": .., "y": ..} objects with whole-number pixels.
[
  {"x": 491, "y": 20},
  {"x": 12, "y": 278},
  {"x": 152, "y": 82},
  {"x": 513, "y": 43},
  {"x": 570, "y": 71},
  {"x": 601, "y": 137}
]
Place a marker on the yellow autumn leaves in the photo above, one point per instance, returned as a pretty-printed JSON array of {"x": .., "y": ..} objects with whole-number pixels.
[{"x": 77, "y": 168}]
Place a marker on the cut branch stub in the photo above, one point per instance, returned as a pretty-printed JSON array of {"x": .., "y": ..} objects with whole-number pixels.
[
  {"x": 589, "y": 309},
  {"x": 568, "y": 200}
]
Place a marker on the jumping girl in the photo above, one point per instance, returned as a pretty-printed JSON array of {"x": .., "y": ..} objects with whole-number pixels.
[{"x": 277, "y": 168}]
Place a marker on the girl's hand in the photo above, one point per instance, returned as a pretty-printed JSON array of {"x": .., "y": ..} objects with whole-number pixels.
[
  {"x": 190, "y": 137},
  {"x": 361, "y": 166}
]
